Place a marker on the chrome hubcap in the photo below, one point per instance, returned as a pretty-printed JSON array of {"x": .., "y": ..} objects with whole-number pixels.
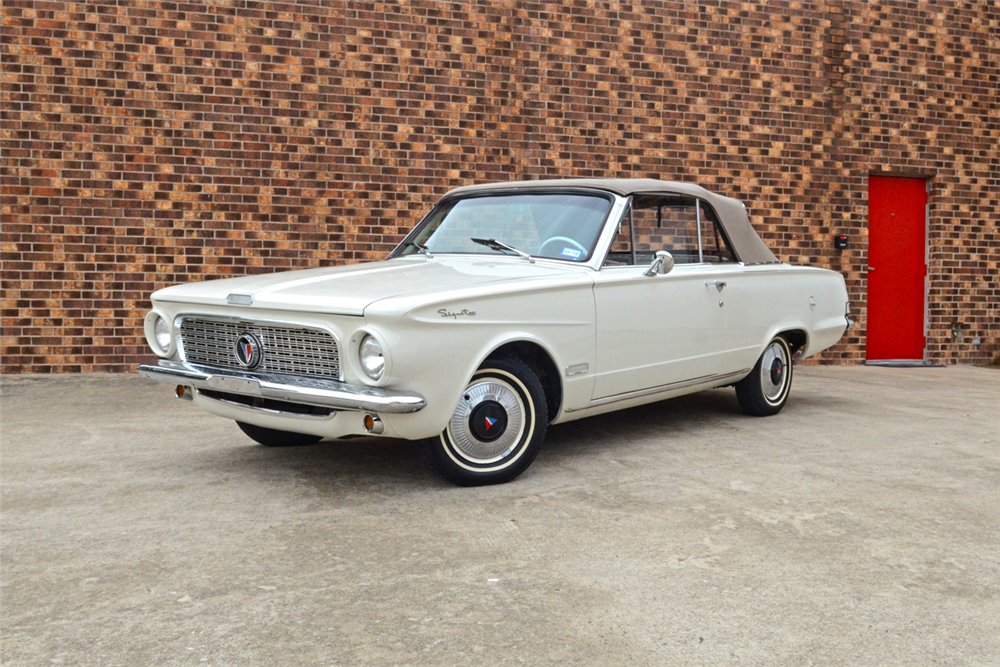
[
  {"x": 773, "y": 371},
  {"x": 489, "y": 421}
]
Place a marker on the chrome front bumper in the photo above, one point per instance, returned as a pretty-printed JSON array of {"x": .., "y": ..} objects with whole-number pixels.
[{"x": 321, "y": 393}]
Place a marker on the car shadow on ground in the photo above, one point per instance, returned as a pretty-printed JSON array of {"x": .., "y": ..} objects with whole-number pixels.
[
  {"x": 613, "y": 430},
  {"x": 374, "y": 464},
  {"x": 368, "y": 463},
  {"x": 359, "y": 463}
]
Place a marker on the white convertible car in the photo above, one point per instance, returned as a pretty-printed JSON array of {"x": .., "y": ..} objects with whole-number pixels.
[{"x": 510, "y": 307}]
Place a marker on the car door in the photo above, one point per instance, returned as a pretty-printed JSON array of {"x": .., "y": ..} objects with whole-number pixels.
[
  {"x": 746, "y": 301},
  {"x": 656, "y": 330},
  {"x": 745, "y": 309}
]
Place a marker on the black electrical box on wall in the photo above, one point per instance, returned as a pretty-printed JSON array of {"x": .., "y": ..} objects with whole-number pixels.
[{"x": 840, "y": 242}]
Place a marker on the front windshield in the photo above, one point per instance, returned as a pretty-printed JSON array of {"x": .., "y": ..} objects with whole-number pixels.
[{"x": 557, "y": 226}]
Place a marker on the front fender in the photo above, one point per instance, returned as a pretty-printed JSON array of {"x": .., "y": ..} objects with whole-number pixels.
[{"x": 436, "y": 354}]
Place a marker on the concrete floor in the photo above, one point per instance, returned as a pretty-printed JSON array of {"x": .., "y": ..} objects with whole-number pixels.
[{"x": 858, "y": 527}]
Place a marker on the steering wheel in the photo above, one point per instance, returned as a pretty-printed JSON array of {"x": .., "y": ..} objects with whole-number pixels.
[{"x": 565, "y": 240}]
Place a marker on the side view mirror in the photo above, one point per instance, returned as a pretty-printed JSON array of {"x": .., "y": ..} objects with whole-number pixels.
[{"x": 662, "y": 264}]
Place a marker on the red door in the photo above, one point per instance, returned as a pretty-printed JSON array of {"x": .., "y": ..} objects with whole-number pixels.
[{"x": 896, "y": 267}]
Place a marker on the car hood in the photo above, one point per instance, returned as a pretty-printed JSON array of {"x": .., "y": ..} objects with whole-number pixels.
[{"x": 348, "y": 290}]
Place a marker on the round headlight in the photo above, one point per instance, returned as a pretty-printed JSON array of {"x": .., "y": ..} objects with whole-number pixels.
[
  {"x": 372, "y": 359},
  {"x": 162, "y": 332},
  {"x": 159, "y": 334}
]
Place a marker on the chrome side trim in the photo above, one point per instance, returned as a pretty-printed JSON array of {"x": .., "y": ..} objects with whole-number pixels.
[
  {"x": 321, "y": 393},
  {"x": 661, "y": 389}
]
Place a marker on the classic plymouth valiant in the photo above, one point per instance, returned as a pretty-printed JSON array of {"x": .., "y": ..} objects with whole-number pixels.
[{"x": 509, "y": 307}]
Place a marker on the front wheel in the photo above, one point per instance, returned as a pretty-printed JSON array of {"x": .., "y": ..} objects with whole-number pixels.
[
  {"x": 270, "y": 437},
  {"x": 497, "y": 428},
  {"x": 765, "y": 391}
]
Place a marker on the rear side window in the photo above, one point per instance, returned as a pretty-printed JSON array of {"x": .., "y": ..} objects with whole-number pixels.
[{"x": 715, "y": 248}]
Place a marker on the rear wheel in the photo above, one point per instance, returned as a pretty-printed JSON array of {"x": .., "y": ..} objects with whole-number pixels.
[
  {"x": 765, "y": 391},
  {"x": 270, "y": 437},
  {"x": 497, "y": 428}
]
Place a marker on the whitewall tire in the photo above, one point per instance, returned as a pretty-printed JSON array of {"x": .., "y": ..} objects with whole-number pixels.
[
  {"x": 765, "y": 391},
  {"x": 497, "y": 428}
]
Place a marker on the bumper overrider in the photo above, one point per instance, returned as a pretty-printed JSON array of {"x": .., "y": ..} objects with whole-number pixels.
[{"x": 304, "y": 391}]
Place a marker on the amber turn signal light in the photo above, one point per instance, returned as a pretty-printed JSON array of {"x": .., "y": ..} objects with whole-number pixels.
[{"x": 373, "y": 424}]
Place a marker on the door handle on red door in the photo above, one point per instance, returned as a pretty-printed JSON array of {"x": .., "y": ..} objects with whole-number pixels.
[{"x": 719, "y": 284}]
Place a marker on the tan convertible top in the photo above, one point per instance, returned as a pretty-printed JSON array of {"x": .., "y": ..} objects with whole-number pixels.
[{"x": 732, "y": 214}]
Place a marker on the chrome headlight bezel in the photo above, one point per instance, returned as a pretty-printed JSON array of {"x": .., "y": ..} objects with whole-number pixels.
[
  {"x": 372, "y": 357},
  {"x": 153, "y": 326}
]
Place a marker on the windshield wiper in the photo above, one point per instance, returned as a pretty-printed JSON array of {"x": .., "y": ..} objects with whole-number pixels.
[
  {"x": 493, "y": 244},
  {"x": 422, "y": 249}
]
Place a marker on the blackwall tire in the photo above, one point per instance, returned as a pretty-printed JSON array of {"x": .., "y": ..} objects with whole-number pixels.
[
  {"x": 504, "y": 394},
  {"x": 270, "y": 437},
  {"x": 765, "y": 391}
]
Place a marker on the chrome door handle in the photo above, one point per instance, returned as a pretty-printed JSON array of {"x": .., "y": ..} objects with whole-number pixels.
[{"x": 719, "y": 284}]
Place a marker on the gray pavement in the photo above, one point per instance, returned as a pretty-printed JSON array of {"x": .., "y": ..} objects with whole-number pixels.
[{"x": 858, "y": 527}]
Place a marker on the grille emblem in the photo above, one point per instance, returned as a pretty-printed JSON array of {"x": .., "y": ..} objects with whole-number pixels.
[{"x": 248, "y": 351}]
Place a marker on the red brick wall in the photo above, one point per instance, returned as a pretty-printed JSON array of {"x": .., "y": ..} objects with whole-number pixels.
[{"x": 146, "y": 144}]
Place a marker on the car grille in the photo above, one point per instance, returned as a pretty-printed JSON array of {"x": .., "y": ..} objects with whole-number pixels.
[{"x": 287, "y": 350}]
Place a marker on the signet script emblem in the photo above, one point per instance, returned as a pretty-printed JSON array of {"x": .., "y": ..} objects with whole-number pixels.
[{"x": 248, "y": 351}]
